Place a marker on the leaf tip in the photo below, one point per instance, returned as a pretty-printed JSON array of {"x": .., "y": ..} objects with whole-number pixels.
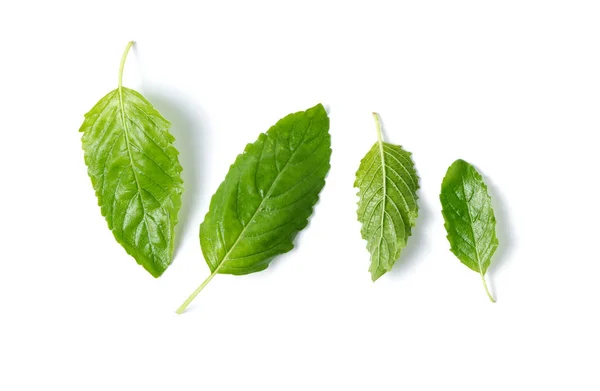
[
  {"x": 320, "y": 108},
  {"x": 376, "y": 273}
]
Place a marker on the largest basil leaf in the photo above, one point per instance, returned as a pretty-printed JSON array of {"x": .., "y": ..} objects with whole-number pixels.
[
  {"x": 135, "y": 172},
  {"x": 267, "y": 196}
]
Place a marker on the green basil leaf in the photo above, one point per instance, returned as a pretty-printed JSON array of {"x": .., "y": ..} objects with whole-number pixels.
[
  {"x": 469, "y": 218},
  {"x": 387, "y": 206},
  {"x": 267, "y": 196},
  {"x": 135, "y": 172}
]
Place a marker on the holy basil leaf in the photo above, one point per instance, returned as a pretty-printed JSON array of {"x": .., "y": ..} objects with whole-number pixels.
[
  {"x": 135, "y": 171},
  {"x": 267, "y": 196},
  {"x": 469, "y": 218},
  {"x": 387, "y": 206}
]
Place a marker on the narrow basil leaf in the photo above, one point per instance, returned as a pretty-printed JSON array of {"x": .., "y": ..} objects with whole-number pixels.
[
  {"x": 267, "y": 196},
  {"x": 135, "y": 171},
  {"x": 469, "y": 218},
  {"x": 387, "y": 206}
]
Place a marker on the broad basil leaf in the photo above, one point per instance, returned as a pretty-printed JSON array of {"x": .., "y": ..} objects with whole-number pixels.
[
  {"x": 136, "y": 174},
  {"x": 387, "y": 206},
  {"x": 469, "y": 218},
  {"x": 267, "y": 196}
]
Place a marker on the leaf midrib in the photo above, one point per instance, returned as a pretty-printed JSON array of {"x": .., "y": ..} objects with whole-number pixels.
[
  {"x": 133, "y": 167},
  {"x": 478, "y": 258},
  {"x": 384, "y": 197}
]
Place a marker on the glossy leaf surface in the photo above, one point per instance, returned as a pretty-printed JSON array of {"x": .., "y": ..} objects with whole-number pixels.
[
  {"x": 135, "y": 172},
  {"x": 469, "y": 218}
]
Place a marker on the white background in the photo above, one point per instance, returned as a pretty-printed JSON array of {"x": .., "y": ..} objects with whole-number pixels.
[{"x": 511, "y": 86}]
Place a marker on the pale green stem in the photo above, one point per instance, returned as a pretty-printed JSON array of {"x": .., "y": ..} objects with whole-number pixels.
[
  {"x": 129, "y": 44},
  {"x": 378, "y": 124},
  {"x": 182, "y": 308},
  {"x": 486, "y": 289}
]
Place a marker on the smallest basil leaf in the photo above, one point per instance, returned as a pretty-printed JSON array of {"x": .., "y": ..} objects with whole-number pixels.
[{"x": 469, "y": 218}]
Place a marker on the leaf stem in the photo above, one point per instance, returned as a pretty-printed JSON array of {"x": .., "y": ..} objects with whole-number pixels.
[
  {"x": 187, "y": 302},
  {"x": 378, "y": 125},
  {"x": 486, "y": 289},
  {"x": 129, "y": 44}
]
